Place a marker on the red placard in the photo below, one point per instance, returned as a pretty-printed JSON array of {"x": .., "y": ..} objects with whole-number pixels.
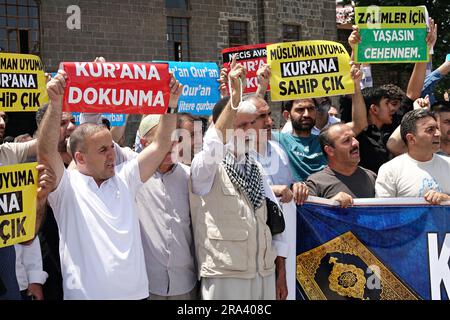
[
  {"x": 251, "y": 57},
  {"x": 116, "y": 87}
]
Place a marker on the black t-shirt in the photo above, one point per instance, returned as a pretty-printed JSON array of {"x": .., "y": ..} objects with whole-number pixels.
[
  {"x": 373, "y": 141},
  {"x": 328, "y": 183}
]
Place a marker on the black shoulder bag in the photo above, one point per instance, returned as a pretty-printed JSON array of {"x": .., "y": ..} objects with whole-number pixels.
[{"x": 275, "y": 219}]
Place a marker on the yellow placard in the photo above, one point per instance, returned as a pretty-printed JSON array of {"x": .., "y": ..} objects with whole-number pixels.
[
  {"x": 22, "y": 82},
  {"x": 18, "y": 185},
  {"x": 309, "y": 69},
  {"x": 390, "y": 17}
]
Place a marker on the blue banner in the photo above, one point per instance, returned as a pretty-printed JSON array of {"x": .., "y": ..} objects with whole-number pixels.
[
  {"x": 115, "y": 119},
  {"x": 399, "y": 252},
  {"x": 201, "y": 88}
]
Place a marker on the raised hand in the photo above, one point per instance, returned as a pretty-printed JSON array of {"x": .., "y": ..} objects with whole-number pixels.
[{"x": 176, "y": 88}]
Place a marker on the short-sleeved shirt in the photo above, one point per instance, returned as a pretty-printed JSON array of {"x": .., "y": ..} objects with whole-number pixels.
[
  {"x": 372, "y": 148},
  {"x": 328, "y": 183},
  {"x": 305, "y": 154},
  {"x": 373, "y": 141},
  {"x": 100, "y": 241},
  {"x": 404, "y": 176}
]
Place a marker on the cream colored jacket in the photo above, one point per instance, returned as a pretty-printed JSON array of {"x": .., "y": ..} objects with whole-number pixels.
[{"x": 231, "y": 240}]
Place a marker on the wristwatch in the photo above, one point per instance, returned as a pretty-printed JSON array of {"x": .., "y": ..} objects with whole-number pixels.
[{"x": 172, "y": 110}]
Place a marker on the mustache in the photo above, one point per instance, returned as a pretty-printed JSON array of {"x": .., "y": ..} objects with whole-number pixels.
[{"x": 354, "y": 149}]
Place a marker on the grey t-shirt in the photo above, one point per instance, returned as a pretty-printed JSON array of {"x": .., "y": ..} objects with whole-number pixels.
[{"x": 327, "y": 183}]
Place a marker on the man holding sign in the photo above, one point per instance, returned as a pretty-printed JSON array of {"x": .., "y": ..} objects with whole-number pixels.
[
  {"x": 101, "y": 249},
  {"x": 308, "y": 69}
]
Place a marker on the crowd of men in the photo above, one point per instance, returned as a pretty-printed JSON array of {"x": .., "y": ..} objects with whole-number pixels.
[{"x": 186, "y": 216}]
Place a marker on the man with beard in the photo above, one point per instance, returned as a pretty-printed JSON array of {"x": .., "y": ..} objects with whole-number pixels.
[
  {"x": 419, "y": 172},
  {"x": 301, "y": 146},
  {"x": 342, "y": 180},
  {"x": 234, "y": 246}
]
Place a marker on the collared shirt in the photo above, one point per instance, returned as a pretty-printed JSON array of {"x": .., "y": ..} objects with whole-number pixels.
[
  {"x": 163, "y": 208},
  {"x": 331, "y": 120},
  {"x": 29, "y": 264},
  {"x": 100, "y": 241},
  {"x": 276, "y": 165},
  {"x": 203, "y": 171}
]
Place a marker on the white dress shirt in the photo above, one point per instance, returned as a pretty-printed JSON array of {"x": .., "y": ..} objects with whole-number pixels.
[
  {"x": 100, "y": 241},
  {"x": 29, "y": 264}
]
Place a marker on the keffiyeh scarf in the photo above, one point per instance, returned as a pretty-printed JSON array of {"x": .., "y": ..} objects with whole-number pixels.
[{"x": 249, "y": 181}]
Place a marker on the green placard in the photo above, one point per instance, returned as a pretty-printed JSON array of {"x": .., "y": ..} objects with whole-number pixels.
[{"x": 391, "y": 34}]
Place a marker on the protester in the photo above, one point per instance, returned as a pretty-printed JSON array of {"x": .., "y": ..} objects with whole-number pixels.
[
  {"x": 94, "y": 204},
  {"x": 270, "y": 154},
  {"x": 342, "y": 180},
  {"x": 333, "y": 112},
  {"x": 383, "y": 112},
  {"x": 166, "y": 229},
  {"x": 432, "y": 80},
  {"x": 419, "y": 172},
  {"x": 442, "y": 111},
  {"x": 233, "y": 244},
  {"x": 164, "y": 218}
]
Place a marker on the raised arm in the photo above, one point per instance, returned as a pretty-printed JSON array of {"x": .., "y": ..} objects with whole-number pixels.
[
  {"x": 359, "y": 111},
  {"x": 118, "y": 132},
  {"x": 395, "y": 144},
  {"x": 263, "y": 75},
  {"x": 223, "y": 83},
  {"x": 417, "y": 78},
  {"x": 205, "y": 162},
  {"x": 49, "y": 128},
  {"x": 226, "y": 118},
  {"x": 152, "y": 156}
]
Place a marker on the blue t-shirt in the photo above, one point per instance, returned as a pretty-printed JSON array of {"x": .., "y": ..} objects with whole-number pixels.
[
  {"x": 305, "y": 154},
  {"x": 8, "y": 274}
]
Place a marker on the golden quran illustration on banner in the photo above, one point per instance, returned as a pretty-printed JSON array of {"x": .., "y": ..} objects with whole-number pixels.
[{"x": 344, "y": 269}]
